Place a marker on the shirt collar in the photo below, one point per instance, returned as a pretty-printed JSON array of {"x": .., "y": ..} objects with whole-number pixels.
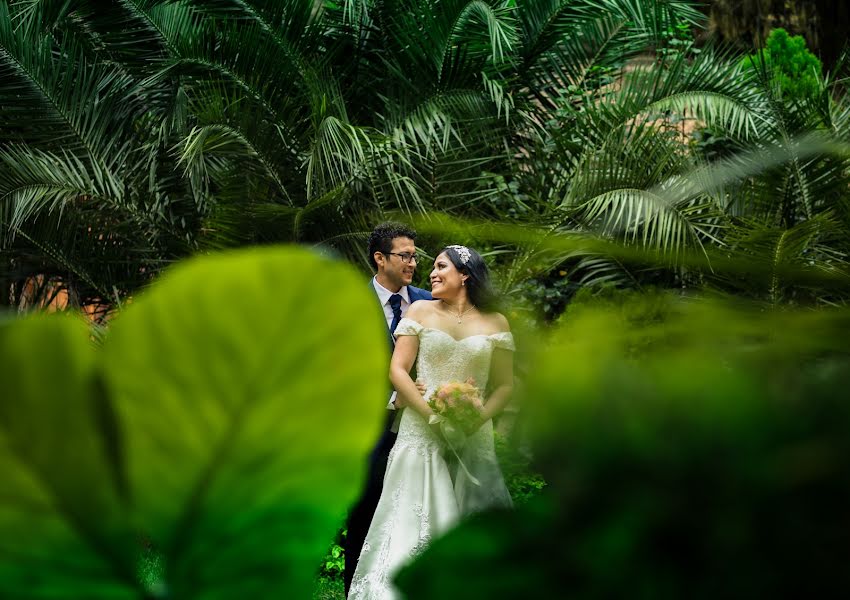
[{"x": 384, "y": 294}]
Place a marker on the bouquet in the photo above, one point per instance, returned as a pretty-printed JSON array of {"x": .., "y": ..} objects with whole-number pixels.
[
  {"x": 457, "y": 407},
  {"x": 458, "y": 402}
]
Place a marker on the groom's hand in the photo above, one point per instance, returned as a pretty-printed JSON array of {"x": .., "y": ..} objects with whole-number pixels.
[{"x": 398, "y": 403}]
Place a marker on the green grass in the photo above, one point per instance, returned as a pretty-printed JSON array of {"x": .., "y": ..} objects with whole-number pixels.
[
  {"x": 151, "y": 569},
  {"x": 329, "y": 589}
]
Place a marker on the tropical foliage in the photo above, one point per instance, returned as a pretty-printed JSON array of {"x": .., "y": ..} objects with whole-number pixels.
[{"x": 134, "y": 134}]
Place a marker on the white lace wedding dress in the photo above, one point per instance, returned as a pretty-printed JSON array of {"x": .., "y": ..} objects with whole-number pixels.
[{"x": 423, "y": 496}]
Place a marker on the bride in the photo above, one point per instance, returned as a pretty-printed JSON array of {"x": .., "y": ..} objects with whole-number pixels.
[{"x": 452, "y": 339}]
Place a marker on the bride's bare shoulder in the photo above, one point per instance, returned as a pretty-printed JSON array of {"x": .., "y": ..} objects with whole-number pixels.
[
  {"x": 498, "y": 321},
  {"x": 420, "y": 309}
]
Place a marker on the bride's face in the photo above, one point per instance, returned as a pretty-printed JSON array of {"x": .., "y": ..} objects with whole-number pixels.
[{"x": 446, "y": 280}]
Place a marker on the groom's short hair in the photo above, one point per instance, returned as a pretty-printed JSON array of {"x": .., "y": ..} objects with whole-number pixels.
[{"x": 381, "y": 239}]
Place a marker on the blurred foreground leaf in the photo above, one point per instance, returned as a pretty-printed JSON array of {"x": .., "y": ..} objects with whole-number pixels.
[
  {"x": 226, "y": 417},
  {"x": 691, "y": 450},
  {"x": 63, "y": 532}
]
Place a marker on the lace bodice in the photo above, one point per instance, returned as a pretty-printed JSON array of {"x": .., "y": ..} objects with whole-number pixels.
[{"x": 443, "y": 359}]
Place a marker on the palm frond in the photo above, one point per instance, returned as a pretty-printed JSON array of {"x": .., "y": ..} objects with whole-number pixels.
[
  {"x": 598, "y": 271},
  {"x": 33, "y": 181},
  {"x": 784, "y": 251},
  {"x": 564, "y": 39},
  {"x": 61, "y": 100},
  {"x": 215, "y": 146}
]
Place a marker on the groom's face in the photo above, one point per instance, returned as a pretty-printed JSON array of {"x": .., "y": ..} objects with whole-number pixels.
[{"x": 395, "y": 270}]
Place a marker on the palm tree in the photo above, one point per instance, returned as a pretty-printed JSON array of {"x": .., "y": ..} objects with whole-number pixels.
[
  {"x": 764, "y": 196},
  {"x": 134, "y": 134}
]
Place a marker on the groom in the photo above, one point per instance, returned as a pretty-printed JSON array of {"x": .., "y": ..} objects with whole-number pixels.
[{"x": 392, "y": 253}]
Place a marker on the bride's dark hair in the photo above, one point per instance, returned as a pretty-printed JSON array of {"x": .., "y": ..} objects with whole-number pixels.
[{"x": 478, "y": 286}]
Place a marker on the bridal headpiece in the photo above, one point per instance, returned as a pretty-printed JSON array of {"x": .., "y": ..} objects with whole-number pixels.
[{"x": 462, "y": 251}]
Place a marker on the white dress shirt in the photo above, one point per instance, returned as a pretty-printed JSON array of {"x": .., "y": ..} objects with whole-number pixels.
[{"x": 384, "y": 296}]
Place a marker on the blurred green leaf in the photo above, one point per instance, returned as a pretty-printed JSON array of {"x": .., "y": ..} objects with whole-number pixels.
[
  {"x": 690, "y": 450},
  {"x": 226, "y": 416},
  {"x": 63, "y": 528},
  {"x": 247, "y": 392}
]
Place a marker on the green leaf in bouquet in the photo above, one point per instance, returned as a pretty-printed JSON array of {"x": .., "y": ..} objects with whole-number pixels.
[
  {"x": 63, "y": 530},
  {"x": 249, "y": 390}
]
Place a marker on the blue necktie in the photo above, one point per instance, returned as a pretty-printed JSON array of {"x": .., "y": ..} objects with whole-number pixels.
[{"x": 395, "y": 304}]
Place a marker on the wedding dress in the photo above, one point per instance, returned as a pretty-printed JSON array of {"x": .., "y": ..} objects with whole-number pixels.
[{"x": 423, "y": 495}]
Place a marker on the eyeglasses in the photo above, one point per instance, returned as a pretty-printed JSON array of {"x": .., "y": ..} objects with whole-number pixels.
[{"x": 405, "y": 257}]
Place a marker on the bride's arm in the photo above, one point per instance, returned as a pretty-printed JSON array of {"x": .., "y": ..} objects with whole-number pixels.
[
  {"x": 502, "y": 376},
  {"x": 406, "y": 347}
]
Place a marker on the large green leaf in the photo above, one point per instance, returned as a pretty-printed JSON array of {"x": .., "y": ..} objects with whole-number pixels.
[
  {"x": 249, "y": 388},
  {"x": 232, "y": 404},
  {"x": 62, "y": 520}
]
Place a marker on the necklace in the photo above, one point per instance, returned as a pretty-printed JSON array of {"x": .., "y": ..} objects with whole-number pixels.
[{"x": 459, "y": 316}]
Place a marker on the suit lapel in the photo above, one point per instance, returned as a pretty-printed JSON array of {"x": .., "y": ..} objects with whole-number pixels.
[{"x": 418, "y": 294}]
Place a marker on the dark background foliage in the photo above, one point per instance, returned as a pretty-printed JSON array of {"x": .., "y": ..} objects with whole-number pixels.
[{"x": 136, "y": 134}]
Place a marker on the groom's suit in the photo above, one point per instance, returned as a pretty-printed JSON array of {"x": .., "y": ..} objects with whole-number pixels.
[{"x": 362, "y": 512}]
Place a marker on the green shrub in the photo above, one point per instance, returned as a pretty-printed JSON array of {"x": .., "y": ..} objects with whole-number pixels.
[
  {"x": 795, "y": 69},
  {"x": 333, "y": 565},
  {"x": 523, "y": 482},
  {"x": 707, "y": 461}
]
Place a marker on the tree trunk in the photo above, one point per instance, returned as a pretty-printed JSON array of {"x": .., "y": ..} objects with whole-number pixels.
[{"x": 835, "y": 21}]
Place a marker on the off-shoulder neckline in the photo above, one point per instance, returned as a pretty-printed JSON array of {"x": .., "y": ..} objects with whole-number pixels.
[{"x": 421, "y": 326}]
